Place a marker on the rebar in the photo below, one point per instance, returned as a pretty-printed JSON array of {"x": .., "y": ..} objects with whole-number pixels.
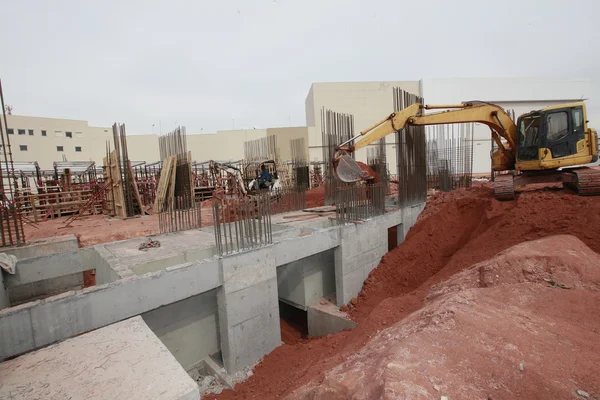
[
  {"x": 359, "y": 202},
  {"x": 242, "y": 223},
  {"x": 336, "y": 128},
  {"x": 410, "y": 155},
  {"x": 11, "y": 220},
  {"x": 176, "y": 217}
]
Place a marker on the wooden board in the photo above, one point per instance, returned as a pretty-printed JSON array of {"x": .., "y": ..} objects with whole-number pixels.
[
  {"x": 115, "y": 190},
  {"x": 162, "y": 190},
  {"x": 170, "y": 201},
  {"x": 135, "y": 188}
]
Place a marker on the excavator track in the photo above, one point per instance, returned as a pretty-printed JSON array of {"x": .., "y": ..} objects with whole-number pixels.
[
  {"x": 504, "y": 187},
  {"x": 588, "y": 181}
]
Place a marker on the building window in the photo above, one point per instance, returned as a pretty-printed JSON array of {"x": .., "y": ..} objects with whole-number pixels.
[
  {"x": 69, "y": 134},
  {"x": 21, "y": 131},
  {"x": 78, "y": 149},
  {"x": 58, "y": 133},
  {"x": 43, "y": 133},
  {"x": 11, "y": 131},
  {"x": 78, "y": 134},
  {"x": 31, "y": 132},
  {"x": 59, "y": 148},
  {"x": 23, "y": 147}
]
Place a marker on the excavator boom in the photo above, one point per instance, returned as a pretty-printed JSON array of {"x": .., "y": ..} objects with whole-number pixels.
[{"x": 500, "y": 123}]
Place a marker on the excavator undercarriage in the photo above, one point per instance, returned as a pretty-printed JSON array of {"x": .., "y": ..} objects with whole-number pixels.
[{"x": 585, "y": 181}]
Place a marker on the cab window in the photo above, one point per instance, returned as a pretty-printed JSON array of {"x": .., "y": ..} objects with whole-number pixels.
[{"x": 557, "y": 125}]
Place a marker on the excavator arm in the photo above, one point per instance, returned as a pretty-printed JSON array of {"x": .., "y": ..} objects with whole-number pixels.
[
  {"x": 500, "y": 123},
  {"x": 231, "y": 171}
]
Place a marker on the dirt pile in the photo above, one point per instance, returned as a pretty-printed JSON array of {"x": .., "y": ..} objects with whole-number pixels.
[
  {"x": 370, "y": 172},
  {"x": 502, "y": 329},
  {"x": 315, "y": 197},
  {"x": 456, "y": 231}
]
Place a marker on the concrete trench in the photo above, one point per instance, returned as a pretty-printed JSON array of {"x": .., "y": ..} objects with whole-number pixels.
[{"x": 217, "y": 316}]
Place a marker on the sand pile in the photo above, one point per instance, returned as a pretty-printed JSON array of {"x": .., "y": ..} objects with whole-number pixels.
[{"x": 457, "y": 231}]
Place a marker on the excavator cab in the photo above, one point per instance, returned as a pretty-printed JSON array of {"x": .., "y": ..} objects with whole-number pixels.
[{"x": 555, "y": 137}]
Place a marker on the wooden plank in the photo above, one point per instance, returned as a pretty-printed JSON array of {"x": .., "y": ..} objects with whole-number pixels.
[
  {"x": 115, "y": 173},
  {"x": 171, "y": 198},
  {"x": 135, "y": 188},
  {"x": 163, "y": 184}
]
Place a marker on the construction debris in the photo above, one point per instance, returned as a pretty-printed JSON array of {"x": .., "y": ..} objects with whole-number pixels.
[{"x": 149, "y": 244}]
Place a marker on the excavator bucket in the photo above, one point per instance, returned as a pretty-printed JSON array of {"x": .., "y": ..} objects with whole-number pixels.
[{"x": 347, "y": 170}]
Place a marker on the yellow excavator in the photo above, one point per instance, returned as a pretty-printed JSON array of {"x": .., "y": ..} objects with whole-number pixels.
[{"x": 535, "y": 149}]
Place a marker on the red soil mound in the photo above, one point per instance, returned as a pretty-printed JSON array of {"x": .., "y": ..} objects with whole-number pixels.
[
  {"x": 457, "y": 230},
  {"x": 365, "y": 168},
  {"x": 512, "y": 335},
  {"x": 315, "y": 197}
]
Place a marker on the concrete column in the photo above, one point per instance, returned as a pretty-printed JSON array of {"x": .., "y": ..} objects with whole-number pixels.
[
  {"x": 4, "y": 302},
  {"x": 248, "y": 308},
  {"x": 360, "y": 251}
]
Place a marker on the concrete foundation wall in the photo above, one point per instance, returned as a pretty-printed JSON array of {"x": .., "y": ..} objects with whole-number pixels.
[
  {"x": 246, "y": 286},
  {"x": 4, "y": 299},
  {"x": 44, "y": 247},
  {"x": 45, "y": 288},
  {"x": 188, "y": 328}
]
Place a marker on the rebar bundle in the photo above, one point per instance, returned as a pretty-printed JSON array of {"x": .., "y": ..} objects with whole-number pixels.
[
  {"x": 11, "y": 222},
  {"x": 242, "y": 223},
  {"x": 174, "y": 144},
  {"x": 359, "y": 202},
  {"x": 176, "y": 217},
  {"x": 261, "y": 149},
  {"x": 336, "y": 128},
  {"x": 410, "y": 155},
  {"x": 449, "y": 156}
]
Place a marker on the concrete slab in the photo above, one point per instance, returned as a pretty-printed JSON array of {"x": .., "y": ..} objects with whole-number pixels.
[
  {"x": 44, "y": 247},
  {"x": 325, "y": 318},
  {"x": 121, "y": 361}
]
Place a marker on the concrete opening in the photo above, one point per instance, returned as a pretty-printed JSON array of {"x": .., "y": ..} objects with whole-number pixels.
[
  {"x": 42, "y": 289},
  {"x": 394, "y": 236},
  {"x": 188, "y": 328},
  {"x": 294, "y": 323}
]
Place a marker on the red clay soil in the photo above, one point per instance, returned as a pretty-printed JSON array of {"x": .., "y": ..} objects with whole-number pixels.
[
  {"x": 315, "y": 197},
  {"x": 365, "y": 168},
  {"x": 95, "y": 229},
  {"x": 456, "y": 231},
  {"x": 289, "y": 333}
]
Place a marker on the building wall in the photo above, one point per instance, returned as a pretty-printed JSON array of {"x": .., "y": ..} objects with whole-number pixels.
[
  {"x": 43, "y": 149},
  {"x": 369, "y": 102}
]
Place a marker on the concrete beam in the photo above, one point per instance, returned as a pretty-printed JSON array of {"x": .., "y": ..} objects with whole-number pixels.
[
  {"x": 69, "y": 314},
  {"x": 36, "y": 269},
  {"x": 44, "y": 247}
]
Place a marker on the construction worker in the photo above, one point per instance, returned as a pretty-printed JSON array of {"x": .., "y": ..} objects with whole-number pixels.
[{"x": 264, "y": 180}]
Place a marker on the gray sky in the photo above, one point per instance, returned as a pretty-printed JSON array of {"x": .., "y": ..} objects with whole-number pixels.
[{"x": 205, "y": 63}]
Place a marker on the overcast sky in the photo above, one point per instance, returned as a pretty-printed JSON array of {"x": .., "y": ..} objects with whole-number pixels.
[{"x": 212, "y": 65}]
